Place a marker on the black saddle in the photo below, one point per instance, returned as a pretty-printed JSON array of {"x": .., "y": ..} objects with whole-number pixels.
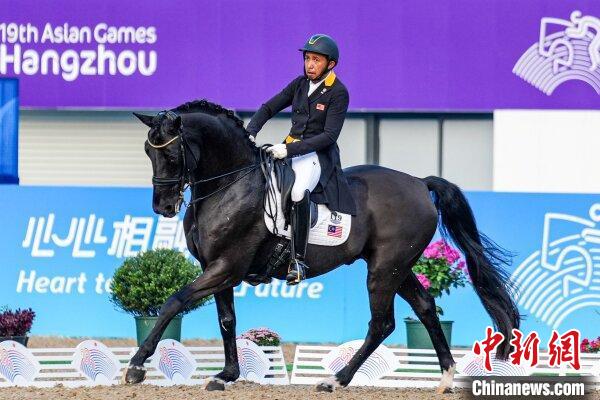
[{"x": 285, "y": 178}]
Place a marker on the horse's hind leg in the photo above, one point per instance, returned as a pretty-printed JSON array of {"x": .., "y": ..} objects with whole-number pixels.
[
  {"x": 423, "y": 304},
  {"x": 382, "y": 291}
]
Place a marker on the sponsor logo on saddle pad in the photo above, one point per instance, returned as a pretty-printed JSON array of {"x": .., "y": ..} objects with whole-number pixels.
[
  {"x": 563, "y": 276},
  {"x": 96, "y": 362},
  {"x": 566, "y": 50},
  {"x": 336, "y": 218},
  {"x": 17, "y": 363}
]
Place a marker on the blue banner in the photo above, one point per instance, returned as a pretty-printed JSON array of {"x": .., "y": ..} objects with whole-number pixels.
[
  {"x": 60, "y": 247},
  {"x": 9, "y": 123}
]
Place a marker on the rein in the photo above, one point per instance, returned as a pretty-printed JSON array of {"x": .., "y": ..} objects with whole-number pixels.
[{"x": 185, "y": 180}]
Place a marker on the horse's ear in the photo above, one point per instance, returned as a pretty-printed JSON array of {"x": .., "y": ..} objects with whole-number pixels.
[{"x": 146, "y": 119}]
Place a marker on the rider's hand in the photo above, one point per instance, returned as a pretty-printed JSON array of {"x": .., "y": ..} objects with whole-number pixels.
[
  {"x": 278, "y": 150},
  {"x": 252, "y": 138}
]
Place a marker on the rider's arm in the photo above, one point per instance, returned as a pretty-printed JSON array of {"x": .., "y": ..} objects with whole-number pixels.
[
  {"x": 272, "y": 107},
  {"x": 333, "y": 126}
]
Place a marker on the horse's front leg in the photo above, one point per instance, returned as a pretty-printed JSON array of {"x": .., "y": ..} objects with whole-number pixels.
[
  {"x": 219, "y": 276},
  {"x": 231, "y": 371}
]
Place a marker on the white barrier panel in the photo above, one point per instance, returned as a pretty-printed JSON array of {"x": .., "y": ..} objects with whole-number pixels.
[
  {"x": 74, "y": 367},
  {"x": 416, "y": 368},
  {"x": 17, "y": 364}
]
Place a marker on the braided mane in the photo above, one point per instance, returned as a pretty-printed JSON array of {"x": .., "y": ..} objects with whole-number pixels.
[{"x": 207, "y": 107}]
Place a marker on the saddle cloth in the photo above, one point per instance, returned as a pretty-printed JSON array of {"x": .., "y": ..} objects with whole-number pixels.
[{"x": 330, "y": 228}]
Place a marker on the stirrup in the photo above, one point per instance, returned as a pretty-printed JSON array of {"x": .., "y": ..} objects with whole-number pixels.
[{"x": 296, "y": 272}]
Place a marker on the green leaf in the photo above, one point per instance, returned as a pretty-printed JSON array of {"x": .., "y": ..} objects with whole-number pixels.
[{"x": 142, "y": 284}]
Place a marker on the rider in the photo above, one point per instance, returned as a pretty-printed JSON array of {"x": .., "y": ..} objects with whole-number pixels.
[{"x": 319, "y": 103}]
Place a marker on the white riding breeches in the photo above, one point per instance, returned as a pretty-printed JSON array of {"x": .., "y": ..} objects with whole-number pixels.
[{"x": 308, "y": 172}]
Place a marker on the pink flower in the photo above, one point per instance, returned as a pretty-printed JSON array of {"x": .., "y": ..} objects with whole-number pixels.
[
  {"x": 424, "y": 281},
  {"x": 452, "y": 255},
  {"x": 431, "y": 252},
  {"x": 441, "y": 249},
  {"x": 461, "y": 265}
]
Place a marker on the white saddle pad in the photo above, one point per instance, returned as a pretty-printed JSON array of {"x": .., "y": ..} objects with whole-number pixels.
[{"x": 331, "y": 229}]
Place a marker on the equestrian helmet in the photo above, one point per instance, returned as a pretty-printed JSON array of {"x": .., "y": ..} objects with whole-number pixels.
[{"x": 322, "y": 44}]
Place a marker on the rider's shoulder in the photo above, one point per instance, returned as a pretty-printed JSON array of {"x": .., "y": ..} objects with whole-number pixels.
[
  {"x": 339, "y": 89},
  {"x": 339, "y": 85}
]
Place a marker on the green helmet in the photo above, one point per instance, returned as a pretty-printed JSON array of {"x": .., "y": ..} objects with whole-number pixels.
[{"x": 322, "y": 44}]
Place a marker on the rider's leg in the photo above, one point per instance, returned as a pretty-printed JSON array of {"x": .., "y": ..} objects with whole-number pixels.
[{"x": 308, "y": 172}]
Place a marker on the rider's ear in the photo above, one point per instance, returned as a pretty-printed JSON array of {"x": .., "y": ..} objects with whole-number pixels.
[{"x": 146, "y": 119}]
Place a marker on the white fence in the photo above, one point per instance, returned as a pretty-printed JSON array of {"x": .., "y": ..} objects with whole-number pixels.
[
  {"x": 387, "y": 367},
  {"x": 417, "y": 368},
  {"x": 56, "y": 367}
]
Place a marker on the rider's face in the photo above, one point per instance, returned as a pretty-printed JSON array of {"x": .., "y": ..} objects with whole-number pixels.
[{"x": 315, "y": 64}]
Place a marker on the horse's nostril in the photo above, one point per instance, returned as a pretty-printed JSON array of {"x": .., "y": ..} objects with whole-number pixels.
[{"x": 169, "y": 208}]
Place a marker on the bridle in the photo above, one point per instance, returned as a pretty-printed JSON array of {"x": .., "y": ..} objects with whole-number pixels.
[{"x": 185, "y": 179}]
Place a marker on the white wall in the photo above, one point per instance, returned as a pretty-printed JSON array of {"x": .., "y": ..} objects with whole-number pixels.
[
  {"x": 82, "y": 148},
  {"x": 467, "y": 153},
  {"x": 547, "y": 151},
  {"x": 410, "y": 145}
]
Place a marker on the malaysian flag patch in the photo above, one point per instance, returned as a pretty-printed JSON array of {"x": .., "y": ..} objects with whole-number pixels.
[
  {"x": 320, "y": 106},
  {"x": 333, "y": 230}
]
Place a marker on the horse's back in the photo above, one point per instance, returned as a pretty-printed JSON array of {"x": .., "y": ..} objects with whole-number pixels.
[
  {"x": 385, "y": 181},
  {"x": 387, "y": 196}
]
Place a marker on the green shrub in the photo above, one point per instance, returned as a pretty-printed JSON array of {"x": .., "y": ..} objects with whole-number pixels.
[{"x": 143, "y": 283}]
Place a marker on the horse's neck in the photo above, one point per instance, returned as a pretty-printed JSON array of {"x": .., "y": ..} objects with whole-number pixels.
[
  {"x": 220, "y": 152},
  {"x": 221, "y": 149}
]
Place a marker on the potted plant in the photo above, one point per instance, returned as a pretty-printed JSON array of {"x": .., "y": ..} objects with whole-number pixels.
[
  {"x": 590, "y": 346},
  {"x": 142, "y": 284},
  {"x": 439, "y": 269},
  {"x": 261, "y": 336},
  {"x": 14, "y": 325}
]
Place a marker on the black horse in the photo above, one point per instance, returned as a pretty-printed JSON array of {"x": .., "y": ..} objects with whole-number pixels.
[{"x": 206, "y": 146}]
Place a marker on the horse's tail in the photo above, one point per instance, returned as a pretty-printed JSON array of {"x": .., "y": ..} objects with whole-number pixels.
[{"x": 485, "y": 259}]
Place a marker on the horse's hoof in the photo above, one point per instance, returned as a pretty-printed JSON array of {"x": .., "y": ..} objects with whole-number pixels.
[
  {"x": 325, "y": 387},
  {"x": 443, "y": 390},
  {"x": 446, "y": 383},
  {"x": 328, "y": 385},
  {"x": 215, "y": 384},
  {"x": 133, "y": 375}
]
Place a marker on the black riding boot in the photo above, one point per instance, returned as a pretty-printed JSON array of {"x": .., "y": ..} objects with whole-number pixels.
[{"x": 300, "y": 222}]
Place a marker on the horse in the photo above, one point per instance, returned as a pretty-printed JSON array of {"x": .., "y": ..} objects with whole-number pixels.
[{"x": 204, "y": 146}]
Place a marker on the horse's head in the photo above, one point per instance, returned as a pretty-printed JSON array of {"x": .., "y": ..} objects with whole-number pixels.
[{"x": 165, "y": 148}]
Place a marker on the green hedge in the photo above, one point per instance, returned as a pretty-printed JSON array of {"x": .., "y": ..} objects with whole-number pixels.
[{"x": 143, "y": 283}]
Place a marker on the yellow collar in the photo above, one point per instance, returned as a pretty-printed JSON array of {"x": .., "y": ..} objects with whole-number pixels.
[{"x": 330, "y": 79}]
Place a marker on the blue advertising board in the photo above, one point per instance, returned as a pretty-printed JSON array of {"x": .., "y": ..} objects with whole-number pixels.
[
  {"x": 9, "y": 124},
  {"x": 60, "y": 246}
]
